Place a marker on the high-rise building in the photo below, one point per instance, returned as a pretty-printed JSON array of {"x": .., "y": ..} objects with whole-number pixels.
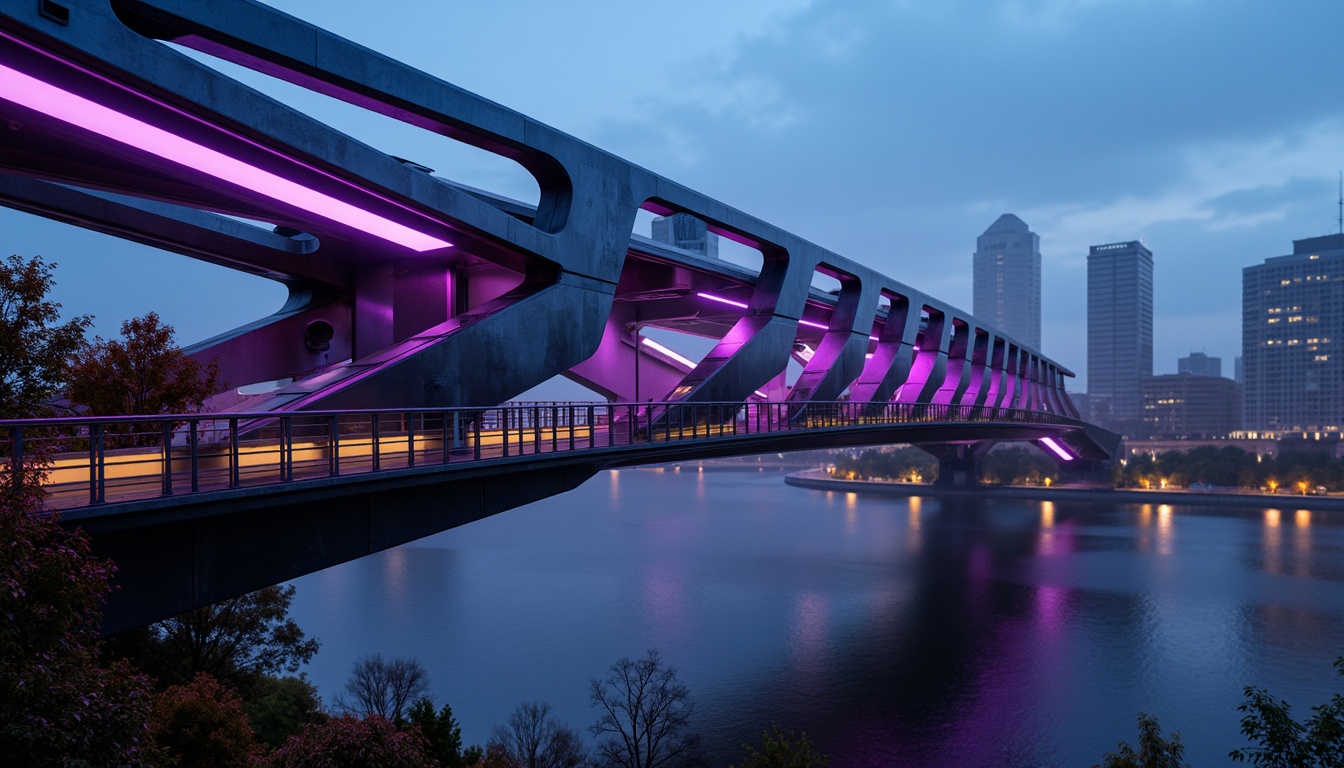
[
  {"x": 1292, "y": 339},
  {"x": 686, "y": 232},
  {"x": 1185, "y": 405},
  {"x": 1007, "y": 279},
  {"x": 1200, "y": 364},
  {"x": 1120, "y": 330}
]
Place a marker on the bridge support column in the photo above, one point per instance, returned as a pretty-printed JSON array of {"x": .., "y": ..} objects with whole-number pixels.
[{"x": 958, "y": 463}]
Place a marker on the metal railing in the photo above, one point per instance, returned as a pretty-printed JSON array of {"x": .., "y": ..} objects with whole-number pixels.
[{"x": 92, "y": 461}]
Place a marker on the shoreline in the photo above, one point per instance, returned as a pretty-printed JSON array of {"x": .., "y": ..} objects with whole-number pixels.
[{"x": 816, "y": 479}]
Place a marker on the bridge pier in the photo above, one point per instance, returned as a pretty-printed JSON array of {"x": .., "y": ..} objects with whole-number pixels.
[{"x": 958, "y": 463}]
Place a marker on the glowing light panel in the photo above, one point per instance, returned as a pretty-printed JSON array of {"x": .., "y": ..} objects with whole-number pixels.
[
  {"x": 656, "y": 347},
  {"x": 722, "y": 300},
  {"x": 1054, "y": 448},
  {"x": 80, "y": 112}
]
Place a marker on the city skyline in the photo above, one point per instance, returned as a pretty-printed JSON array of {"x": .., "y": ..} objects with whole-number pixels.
[{"x": 769, "y": 108}]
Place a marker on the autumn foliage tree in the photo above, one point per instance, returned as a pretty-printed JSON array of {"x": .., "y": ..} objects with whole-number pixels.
[
  {"x": 351, "y": 742},
  {"x": 35, "y": 353},
  {"x": 143, "y": 372},
  {"x": 35, "y": 348},
  {"x": 58, "y": 704},
  {"x": 202, "y": 724}
]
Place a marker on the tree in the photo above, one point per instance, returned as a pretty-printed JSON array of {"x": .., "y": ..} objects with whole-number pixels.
[
  {"x": 383, "y": 687},
  {"x": 202, "y": 724},
  {"x": 235, "y": 641},
  {"x": 58, "y": 704},
  {"x": 533, "y": 739},
  {"x": 1153, "y": 752},
  {"x": 35, "y": 351},
  {"x": 351, "y": 742},
  {"x": 143, "y": 372},
  {"x": 279, "y": 707},
  {"x": 644, "y": 713},
  {"x": 1284, "y": 742},
  {"x": 781, "y": 750},
  {"x": 442, "y": 733}
]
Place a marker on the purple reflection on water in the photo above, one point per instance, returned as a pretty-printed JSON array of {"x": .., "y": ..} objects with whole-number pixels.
[{"x": 929, "y": 632}]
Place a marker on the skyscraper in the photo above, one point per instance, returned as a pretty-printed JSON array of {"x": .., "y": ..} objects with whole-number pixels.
[
  {"x": 1200, "y": 364},
  {"x": 1292, "y": 339},
  {"x": 1007, "y": 279},
  {"x": 686, "y": 232},
  {"x": 1120, "y": 329}
]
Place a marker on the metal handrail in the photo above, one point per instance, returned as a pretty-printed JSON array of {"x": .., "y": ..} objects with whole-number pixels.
[{"x": 90, "y": 461}]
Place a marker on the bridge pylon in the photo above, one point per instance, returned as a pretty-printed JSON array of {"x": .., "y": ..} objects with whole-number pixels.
[{"x": 958, "y": 463}]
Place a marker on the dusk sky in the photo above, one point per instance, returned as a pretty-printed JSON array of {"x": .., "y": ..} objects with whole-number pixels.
[{"x": 891, "y": 132}]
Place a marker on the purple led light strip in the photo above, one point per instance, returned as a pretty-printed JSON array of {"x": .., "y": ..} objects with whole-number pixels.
[
  {"x": 655, "y": 346},
  {"x": 740, "y": 305},
  {"x": 1053, "y": 446},
  {"x": 80, "y": 112}
]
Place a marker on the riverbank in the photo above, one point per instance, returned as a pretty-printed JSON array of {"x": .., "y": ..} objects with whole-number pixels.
[{"x": 817, "y": 479}]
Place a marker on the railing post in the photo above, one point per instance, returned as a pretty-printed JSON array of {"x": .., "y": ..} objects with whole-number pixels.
[
  {"x": 16, "y": 457},
  {"x": 410, "y": 439},
  {"x": 570, "y": 408},
  {"x": 648, "y": 421},
  {"x": 476, "y": 439},
  {"x": 334, "y": 441},
  {"x": 96, "y": 458},
  {"x": 166, "y": 439},
  {"x": 375, "y": 460},
  {"x": 235, "y": 460},
  {"x": 286, "y": 449},
  {"x": 504, "y": 427},
  {"x": 446, "y": 435},
  {"x": 536, "y": 432},
  {"x": 194, "y": 438}
]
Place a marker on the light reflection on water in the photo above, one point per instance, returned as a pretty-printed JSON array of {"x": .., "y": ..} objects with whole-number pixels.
[{"x": 919, "y": 631}]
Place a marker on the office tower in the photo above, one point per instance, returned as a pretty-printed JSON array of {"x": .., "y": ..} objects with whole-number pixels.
[
  {"x": 1188, "y": 405},
  {"x": 1200, "y": 364},
  {"x": 1292, "y": 339},
  {"x": 1007, "y": 279},
  {"x": 684, "y": 231},
  {"x": 1120, "y": 329}
]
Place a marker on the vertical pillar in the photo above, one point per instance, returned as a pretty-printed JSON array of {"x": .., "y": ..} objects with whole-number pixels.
[
  {"x": 374, "y": 291},
  {"x": 421, "y": 299}
]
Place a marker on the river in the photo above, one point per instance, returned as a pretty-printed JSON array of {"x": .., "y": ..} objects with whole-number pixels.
[{"x": 912, "y": 632}]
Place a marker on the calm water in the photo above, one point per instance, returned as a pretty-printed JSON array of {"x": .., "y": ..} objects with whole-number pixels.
[{"x": 894, "y": 631}]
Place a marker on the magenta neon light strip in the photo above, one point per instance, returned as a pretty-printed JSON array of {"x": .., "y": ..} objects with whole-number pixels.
[
  {"x": 82, "y": 113},
  {"x": 1053, "y": 446},
  {"x": 722, "y": 300},
  {"x": 656, "y": 347},
  {"x": 740, "y": 305}
]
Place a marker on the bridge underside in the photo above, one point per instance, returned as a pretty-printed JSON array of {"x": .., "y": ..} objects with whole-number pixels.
[{"x": 181, "y": 553}]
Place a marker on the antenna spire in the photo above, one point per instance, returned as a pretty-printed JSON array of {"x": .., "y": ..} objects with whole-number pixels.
[{"x": 1341, "y": 202}]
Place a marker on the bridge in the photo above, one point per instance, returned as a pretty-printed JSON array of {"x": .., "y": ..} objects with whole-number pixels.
[{"x": 417, "y": 306}]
